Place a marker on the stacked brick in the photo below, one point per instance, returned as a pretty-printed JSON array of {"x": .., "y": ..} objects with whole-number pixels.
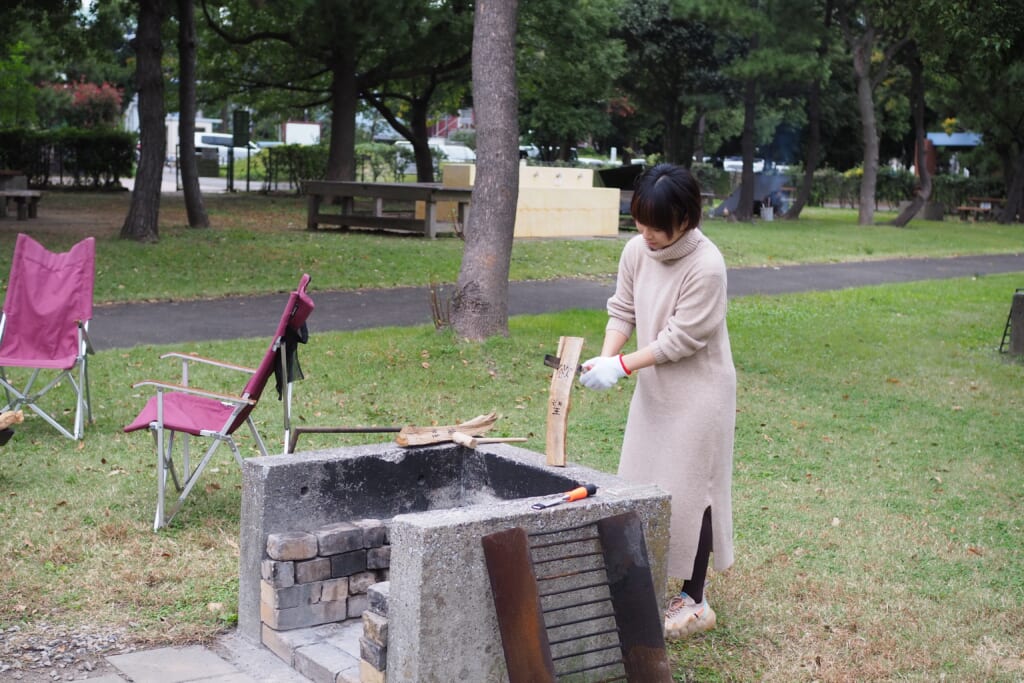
[
  {"x": 321, "y": 577},
  {"x": 373, "y": 645}
]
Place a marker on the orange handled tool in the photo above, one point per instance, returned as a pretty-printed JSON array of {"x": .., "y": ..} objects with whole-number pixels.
[{"x": 578, "y": 493}]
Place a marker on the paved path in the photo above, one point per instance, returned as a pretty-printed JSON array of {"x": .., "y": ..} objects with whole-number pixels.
[{"x": 126, "y": 325}]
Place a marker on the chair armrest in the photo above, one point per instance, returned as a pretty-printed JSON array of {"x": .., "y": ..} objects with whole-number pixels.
[
  {"x": 208, "y": 361},
  {"x": 170, "y": 386},
  {"x": 83, "y": 326}
]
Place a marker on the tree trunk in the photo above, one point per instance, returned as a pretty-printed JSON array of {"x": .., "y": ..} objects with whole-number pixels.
[
  {"x": 862, "y": 49},
  {"x": 341, "y": 156},
  {"x": 1014, "y": 193},
  {"x": 480, "y": 303},
  {"x": 421, "y": 141},
  {"x": 194, "y": 207},
  {"x": 924, "y": 189},
  {"x": 803, "y": 195},
  {"x": 142, "y": 221},
  {"x": 745, "y": 207},
  {"x": 813, "y": 152},
  {"x": 672, "y": 134}
]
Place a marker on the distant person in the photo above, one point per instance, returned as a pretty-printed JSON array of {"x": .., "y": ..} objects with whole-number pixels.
[{"x": 671, "y": 291}]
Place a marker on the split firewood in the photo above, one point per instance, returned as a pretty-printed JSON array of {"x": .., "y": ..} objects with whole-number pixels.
[
  {"x": 559, "y": 395},
  {"x": 11, "y": 417},
  {"x": 424, "y": 436},
  {"x": 473, "y": 441}
]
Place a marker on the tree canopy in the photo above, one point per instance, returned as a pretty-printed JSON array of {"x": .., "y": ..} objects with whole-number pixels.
[{"x": 676, "y": 80}]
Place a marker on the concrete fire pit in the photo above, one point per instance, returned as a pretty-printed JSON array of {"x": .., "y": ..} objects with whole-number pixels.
[{"x": 421, "y": 514}]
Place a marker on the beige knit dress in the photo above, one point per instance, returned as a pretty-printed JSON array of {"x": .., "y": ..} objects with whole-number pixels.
[{"x": 679, "y": 434}]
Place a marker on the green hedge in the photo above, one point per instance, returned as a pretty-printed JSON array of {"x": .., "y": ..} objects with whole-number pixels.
[
  {"x": 953, "y": 190},
  {"x": 96, "y": 158},
  {"x": 293, "y": 163}
]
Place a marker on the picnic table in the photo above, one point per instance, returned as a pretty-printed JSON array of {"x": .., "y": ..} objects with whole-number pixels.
[
  {"x": 408, "y": 216},
  {"x": 982, "y": 207},
  {"x": 27, "y": 201}
]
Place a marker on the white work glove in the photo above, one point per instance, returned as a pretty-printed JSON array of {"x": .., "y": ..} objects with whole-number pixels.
[{"x": 602, "y": 372}]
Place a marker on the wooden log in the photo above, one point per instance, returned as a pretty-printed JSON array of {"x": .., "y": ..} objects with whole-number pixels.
[
  {"x": 425, "y": 436},
  {"x": 559, "y": 395}
]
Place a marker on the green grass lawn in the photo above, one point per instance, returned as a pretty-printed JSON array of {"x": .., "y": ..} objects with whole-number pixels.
[
  {"x": 258, "y": 244},
  {"x": 878, "y": 475}
]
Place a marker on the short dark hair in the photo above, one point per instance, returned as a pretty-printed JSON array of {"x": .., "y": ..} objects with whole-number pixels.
[{"x": 665, "y": 197}]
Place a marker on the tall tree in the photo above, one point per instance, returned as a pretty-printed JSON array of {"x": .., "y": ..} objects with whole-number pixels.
[
  {"x": 982, "y": 52},
  {"x": 324, "y": 53},
  {"x": 923, "y": 190},
  {"x": 480, "y": 302},
  {"x": 875, "y": 32},
  {"x": 429, "y": 73},
  {"x": 673, "y": 71},
  {"x": 142, "y": 221},
  {"x": 194, "y": 207},
  {"x": 774, "y": 49},
  {"x": 568, "y": 69},
  {"x": 813, "y": 98}
]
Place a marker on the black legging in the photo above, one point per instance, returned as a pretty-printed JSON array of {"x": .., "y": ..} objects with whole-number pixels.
[{"x": 694, "y": 586}]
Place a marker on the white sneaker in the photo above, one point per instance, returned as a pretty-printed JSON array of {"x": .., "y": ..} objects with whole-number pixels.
[{"x": 684, "y": 617}]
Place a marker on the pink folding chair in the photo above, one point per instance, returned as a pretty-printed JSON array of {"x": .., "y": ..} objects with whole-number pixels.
[
  {"x": 180, "y": 408},
  {"x": 45, "y": 329}
]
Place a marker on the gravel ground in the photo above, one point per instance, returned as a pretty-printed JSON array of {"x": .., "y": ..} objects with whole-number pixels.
[{"x": 43, "y": 653}]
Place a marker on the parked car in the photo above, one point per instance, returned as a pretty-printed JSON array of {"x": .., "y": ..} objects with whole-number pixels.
[
  {"x": 452, "y": 151},
  {"x": 735, "y": 164},
  {"x": 528, "y": 151},
  {"x": 223, "y": 142}
]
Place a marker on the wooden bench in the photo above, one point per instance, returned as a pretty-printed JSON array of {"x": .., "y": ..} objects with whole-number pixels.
[
  {"x": 326, "y": 193},
  {"x": 982, "y": 207},
  {"x": 27, "y": 201}
]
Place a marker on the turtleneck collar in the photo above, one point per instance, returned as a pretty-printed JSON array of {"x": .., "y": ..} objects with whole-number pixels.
[{"x": 683, "y": 246}]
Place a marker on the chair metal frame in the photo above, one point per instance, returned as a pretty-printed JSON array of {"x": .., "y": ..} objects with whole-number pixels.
[
  {"x": 77, "y": 373},
  {"x": 241, "y": 406}
]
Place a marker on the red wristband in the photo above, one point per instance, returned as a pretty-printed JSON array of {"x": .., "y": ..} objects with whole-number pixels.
[{"x": 624, "y": 368}]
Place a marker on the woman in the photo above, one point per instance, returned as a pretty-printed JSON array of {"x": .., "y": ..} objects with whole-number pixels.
[{"x": 671, "y": 291}]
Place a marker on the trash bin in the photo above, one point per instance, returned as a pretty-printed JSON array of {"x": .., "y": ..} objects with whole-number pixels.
[{"x": 207, "y": 165}]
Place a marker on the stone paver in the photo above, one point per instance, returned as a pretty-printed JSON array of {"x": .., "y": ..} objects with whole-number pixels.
[{"x": 176, "y": 665}]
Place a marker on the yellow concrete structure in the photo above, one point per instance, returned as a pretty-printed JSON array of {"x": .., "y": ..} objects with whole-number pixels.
[{"x": 553, "y": 202}]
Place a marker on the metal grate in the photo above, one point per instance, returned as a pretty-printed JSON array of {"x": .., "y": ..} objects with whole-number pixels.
[{"x": 577, "y": 604}]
